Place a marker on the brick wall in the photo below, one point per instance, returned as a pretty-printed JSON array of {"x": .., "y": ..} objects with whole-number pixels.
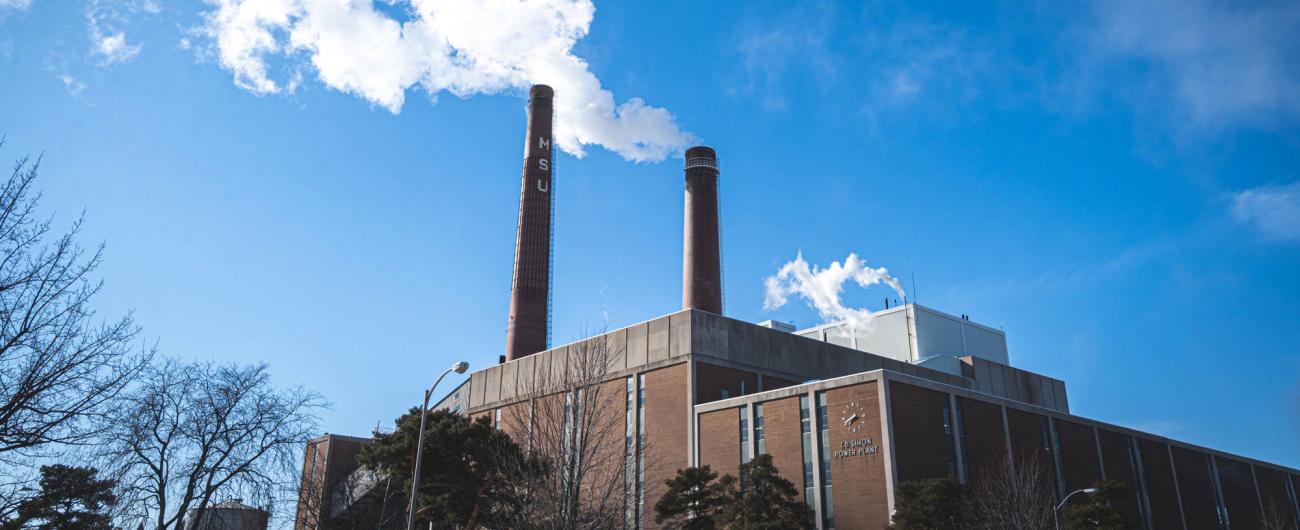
[
  {"x": 1196, "y": 489},
  {"x": 1239, "y": 494},
  {"x": 720, "y": 440},
  {"x": 858, "y": 483},
  {"x": 1272, "y": 492},
  {"x": 666, "y": 416},
  {"x": 711, "y": 380},
  {"x": 1160, "y": 484},
  {"x": 920, "y": 443},
  {"x": 773, "y": 383},
  {"x": 1027, "y": 442},
  {"x": 1115, "y": 457},
  {"x": 783, "y": 438},
  {"x": 985, "y": 439},
  {"x": 1078, "y": 455}
]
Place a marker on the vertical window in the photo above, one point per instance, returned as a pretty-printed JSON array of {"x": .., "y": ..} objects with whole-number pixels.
[
  {"x": 828, "y": 503},
  {"x": 759, "y": 446},
  {"x": 1290, "y": 493},
  {"x": 629, "y": 455},
  {"x": 1222, "y": 507},
  {"x": 961, "y": 440},
  {"x": 725, "y": 393},
  {"x": 640, "y": 451},
  {"x": 948, "y": 437},
  {"x": 805, "y": 442},
  {"x": 744, "y": 435},
  {"x": 1049, "y": 446},
  {"x": 1139, "y": 478},
  {"x": 496, "y": 420}
]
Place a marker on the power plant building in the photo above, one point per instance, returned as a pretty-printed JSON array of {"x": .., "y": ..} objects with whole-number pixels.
[{"x": 846, "y": 414}]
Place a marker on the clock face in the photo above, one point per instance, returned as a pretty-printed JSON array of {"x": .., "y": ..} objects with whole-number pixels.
[{"x": 853, "y": 417}]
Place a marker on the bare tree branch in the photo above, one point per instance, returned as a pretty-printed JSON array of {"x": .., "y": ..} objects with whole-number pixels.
[{"x": 189, "y": 435}]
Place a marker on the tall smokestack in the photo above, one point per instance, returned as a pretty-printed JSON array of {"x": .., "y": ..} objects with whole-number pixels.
[
  {"x": 701, "y": 255},
  {"x": 530, "y": 290}
]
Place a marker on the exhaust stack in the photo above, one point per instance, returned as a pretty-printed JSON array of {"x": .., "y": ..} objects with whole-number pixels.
[
  {"x": 701, "y": 253},
  {"x": 526, "y": 332}
]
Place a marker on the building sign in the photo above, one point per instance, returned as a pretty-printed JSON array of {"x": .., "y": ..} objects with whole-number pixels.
[{"x": 858, "y": 447}]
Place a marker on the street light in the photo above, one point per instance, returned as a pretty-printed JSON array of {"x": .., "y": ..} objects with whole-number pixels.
[
  {"x": 1055, "y": 521},
  {"x": 459, "y": 368}
]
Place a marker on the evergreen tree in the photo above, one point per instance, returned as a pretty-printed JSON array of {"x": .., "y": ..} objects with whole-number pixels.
[
  {"x": 930, "y": 504},
  {"x": 465, "y": 481},
  {"x": 761, "y": 499},
  {"x": 1099, "y": 512},
  {"x": 70, "y": 497},
  {"x": 692, "y": 501}
]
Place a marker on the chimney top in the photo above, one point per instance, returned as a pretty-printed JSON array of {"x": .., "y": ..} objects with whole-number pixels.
[
  {"x": 701, "y": 151},
  {"x": 541, "y": 91}
]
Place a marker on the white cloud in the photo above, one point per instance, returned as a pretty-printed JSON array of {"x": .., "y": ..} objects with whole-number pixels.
[
  {"x": 17, "y": 5},
  {"x": 823, "y": 288},
  {"x": 1274, "y": 210},
  {"x": 1221, "y": 63},
  {"x": 465, "y": 49},
  {"x": 104, "y": 18},
  {"x": 113, "y": 48},
  {"x": 72, "y": 85}
]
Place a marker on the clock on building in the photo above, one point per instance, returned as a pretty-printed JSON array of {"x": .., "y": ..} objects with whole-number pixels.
[{"x": 853, "y": 416}]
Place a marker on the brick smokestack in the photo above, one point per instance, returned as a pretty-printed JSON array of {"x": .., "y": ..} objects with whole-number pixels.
[
  {"x": 526, "y": 332},
  {"x": 701, "y": 253}
]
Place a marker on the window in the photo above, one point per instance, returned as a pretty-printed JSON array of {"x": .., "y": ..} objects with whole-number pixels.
[
  {"x": 948, "y": 437},
  {"x": 1139, "y": 478},
  {"x": 759, "y": 447},
  {"x": 496, "y": 420},
  {"x": 823, "y": 422},
  {"x": 629, "y": 456},
  {"x": 1221, "y": 506},
  {"x": 725, "y": 393},
  {"x": 744, "y": 435},
  {"x": 640, "y": 451},
  {"x": 805, "y": 442},
  {"x": 961, "y": 440}
]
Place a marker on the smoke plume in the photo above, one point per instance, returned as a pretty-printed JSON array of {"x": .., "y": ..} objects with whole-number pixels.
[
  {"x": 463, "y": 48},
  {"x": 822, "y": 289}
]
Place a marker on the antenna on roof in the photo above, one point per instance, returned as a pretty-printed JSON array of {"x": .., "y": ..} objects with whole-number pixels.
[{"x": 914, "y": 297}]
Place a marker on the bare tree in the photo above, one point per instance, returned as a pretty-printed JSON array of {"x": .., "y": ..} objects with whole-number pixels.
[
  {"x": 1014, "y": 495},
  {"x": 1277, "y": 515},
  {"x": 574, "y": 415},
  {"x": 190, "y": 434},
  {"x": 59, "y": 365}
]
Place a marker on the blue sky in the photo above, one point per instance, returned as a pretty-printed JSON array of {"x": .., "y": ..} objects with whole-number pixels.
[{"x": 332, "y": 187}]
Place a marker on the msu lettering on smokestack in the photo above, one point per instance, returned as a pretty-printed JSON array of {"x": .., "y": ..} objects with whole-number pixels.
[
  {"x": 529, "y": 292},
  {"x": 701, "y": 252}
]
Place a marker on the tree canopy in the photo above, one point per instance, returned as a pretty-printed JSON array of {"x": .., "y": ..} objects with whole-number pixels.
[
  {"x": 1098, "y": 510},
  {"x": 693, "y": 499},
  {"x": 467, "y": 472},
  {"x": 69, "y": 497},
  {"x": 931, "y": 504}
]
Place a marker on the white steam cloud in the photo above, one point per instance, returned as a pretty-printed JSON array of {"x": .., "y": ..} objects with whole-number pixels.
[
  {"x": 464, "y": 48},
  {"x": 823, "y": 288},
  {"x": 1273, "y": 209}
]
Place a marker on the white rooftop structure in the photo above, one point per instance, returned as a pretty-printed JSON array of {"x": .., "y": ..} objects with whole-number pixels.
[{"x": 918, "y": 335}]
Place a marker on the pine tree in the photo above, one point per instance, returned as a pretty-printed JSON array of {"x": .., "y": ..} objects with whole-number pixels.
[
  {"x": 1099, "y": 511},
  {"x": 70, "y": 497},
  {"x": 692, "y": 501},
  {"x": 930, "y": 504},
  {"x": 761, "y": 499}
]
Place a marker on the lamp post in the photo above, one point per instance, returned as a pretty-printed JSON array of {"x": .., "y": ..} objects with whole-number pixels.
[
  {"x": 1056, "y": 522},
  {"x": 459, "y": 368}
]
